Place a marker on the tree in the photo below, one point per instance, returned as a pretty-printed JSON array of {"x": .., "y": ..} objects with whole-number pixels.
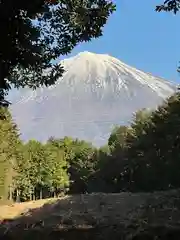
[
  {"x": 141, "y": 119},
  {"x": 35, "y": 33},
  {"x": 9, "y": 153},
  {"x": 153, "y": 156},
  {"x": 169, "y": 5},
  {"x": 110, "y": 161},
  {"x": 118, "y": 137},
  {"x": 58, "y": 166},
  {"x": 42, "y": 171},
  {"x": 82, "y": 165},
  {"x": 80, "y": 156}
]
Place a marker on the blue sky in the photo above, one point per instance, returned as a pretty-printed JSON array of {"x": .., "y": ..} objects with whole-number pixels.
[{"x": 141, "y": 37}]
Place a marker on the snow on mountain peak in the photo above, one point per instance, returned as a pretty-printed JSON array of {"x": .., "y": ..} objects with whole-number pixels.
[
  {"x": 102, "y": 71},
  {"x": 96, "y": 92}
]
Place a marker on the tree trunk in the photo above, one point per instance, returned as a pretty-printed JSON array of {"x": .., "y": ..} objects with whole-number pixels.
[
  {"x": 17, "y": 196},
  {"x": 41, "y": 194},
  {"x": 10, "y": 192},
  {"x": 54, "y": 194},
  {"x": 31, "y": 195}
]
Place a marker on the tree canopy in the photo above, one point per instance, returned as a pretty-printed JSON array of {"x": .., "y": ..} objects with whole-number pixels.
[
  {"x": 141, "y": 157},
  {"x": 34, "y": 33},
  {"x": 168, "y": 6}
]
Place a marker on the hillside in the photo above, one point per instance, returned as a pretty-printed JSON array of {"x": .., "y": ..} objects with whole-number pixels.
[
  {"x": 98, "y": 216},
  {"x": 96, "y": 92}
]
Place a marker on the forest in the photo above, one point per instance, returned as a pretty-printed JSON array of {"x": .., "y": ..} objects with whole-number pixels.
[{"x": 142, "y": 157}]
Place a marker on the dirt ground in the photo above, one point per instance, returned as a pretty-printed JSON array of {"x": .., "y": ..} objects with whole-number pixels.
[
  {"x": 14, "y": 210},
  {"x": 94, "y": 216}
]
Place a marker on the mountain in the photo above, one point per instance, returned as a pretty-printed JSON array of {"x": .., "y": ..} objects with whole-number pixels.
[{"x": 96, "y": 92}]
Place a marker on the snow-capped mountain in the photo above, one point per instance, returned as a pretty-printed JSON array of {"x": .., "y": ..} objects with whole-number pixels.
[{"x": 95, "y": 93}]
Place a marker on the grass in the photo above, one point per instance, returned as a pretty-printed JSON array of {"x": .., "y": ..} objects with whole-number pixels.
[
  {"x": 94, "y": 216},
  {"x": 12, "y": 210}
]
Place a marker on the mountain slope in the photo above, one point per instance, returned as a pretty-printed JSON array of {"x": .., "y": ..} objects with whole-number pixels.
[{"x": 96, "y": 92}]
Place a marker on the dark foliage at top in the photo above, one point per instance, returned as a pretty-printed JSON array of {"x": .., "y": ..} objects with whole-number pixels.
[
  {"x": 169, "y": 5},
  {"x": 34, "y": 33}
]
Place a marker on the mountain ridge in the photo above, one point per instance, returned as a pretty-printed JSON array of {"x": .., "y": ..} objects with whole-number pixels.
[{"x": 96, "y": 92}]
